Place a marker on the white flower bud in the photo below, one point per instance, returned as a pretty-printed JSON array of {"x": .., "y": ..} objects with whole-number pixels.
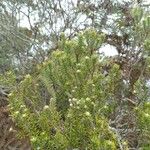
[
  {"x": 109, "y": 142},
  {"x": 25, "y": 110},
  {"x": 85, "y": 106},
  {"x": 33, "y": 139},
  {"x": 78, "y": 65},
  {"x": 24, "y": 115},
  {"x": 93, "y": 104},
  {"x": 74, "y": 99},
  {"x": 73, "y": 91},
  {"x": 87, "y": 114},
  {"x": 78, "y": 102},
  {"x": 147, "y": 115},
  {"x": 87, "y": 99},
  {"x": 125, "y": 143},
  {"x": 17, "y": 112},
  {"x": 93, "y": 85},
  {"x": 11, "y": 129},
  {"x": 105, "y": 107},
  {"x": 78, "y": 71},
  {"x": 52, "y": 99},
  {"x": 22, "y": 106},
  {"x": 10, "y": 94},
  {"x": 134, "y": 91},
  {"x": 87, "y": 57},
  {"x": 28, "y": 76},
  {"x": 46, "y": 107}
]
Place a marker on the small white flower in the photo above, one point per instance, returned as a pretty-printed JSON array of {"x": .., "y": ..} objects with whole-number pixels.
[
  {"x": 78, "y": 102},
  {"x": 46, "y": 107},
  {"x": 87, "y": 99},
  {"x": 70, "y": 99},
  {"x": 93, "y": 85},
  {"x": 10, "y": 94},
  {"x": 22, "y": 106},
  {"x": 134, "y": 91},
  {"x": 85, "y": 106},
  {"x": 24, "y": 115},
  {"x": 125, "y": 143},
  {"x": 33, "y": 139},
  {"x": 43, "y": 133},
  {"x": 28, "y": 76},
  {"x": 52, "y": 99},
  {"x": 71, "y": 104},
  {"x": 75, "y": 87},
  {"x": 105, "y": 107},
  {"x": 87, "y": 57},
  {"x": 17, "y": 112},
  {"x": 109, "y": 142},
  {"x": 78, "y": 65},
  {"x": 87, "y": 114},
  {"x": 11, "y": 129},
  {"x": 93, "y": 104},
  {"x": 78, "y": 71},
  {"x": 25, "y": 110},
  {"x": 147, "y": 115},
  {"x": 74, "y": 99}
]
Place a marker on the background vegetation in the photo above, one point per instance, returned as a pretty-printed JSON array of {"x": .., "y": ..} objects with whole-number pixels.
[{"x": 63, "y": 92}]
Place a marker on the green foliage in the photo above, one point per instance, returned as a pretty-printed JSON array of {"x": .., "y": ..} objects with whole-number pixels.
[
  {"x": 78, "y": 99},
  {"x": 76, "y": 115},
  {"x": 8, "y": 79},
  {"x": 68, "y": 102},
  {"x": 35, "y": 121},
  {"x": 137, "y": 13},
  {"x": 143, "y": 114}
]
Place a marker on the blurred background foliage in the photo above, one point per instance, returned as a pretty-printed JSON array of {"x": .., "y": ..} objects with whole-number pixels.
[{"x": 66, "y": 93}]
